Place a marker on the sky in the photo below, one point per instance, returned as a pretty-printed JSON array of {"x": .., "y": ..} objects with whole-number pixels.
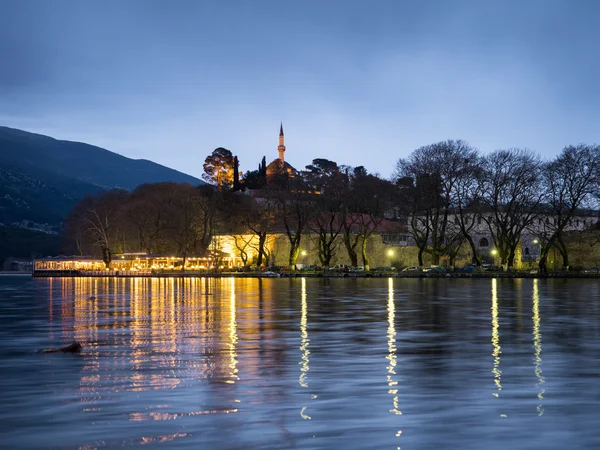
[{"x": 356, "y": 82}]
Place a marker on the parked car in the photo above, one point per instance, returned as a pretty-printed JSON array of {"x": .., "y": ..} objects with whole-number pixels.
[
  {"x": 595, "y": 270},
  {"x": 340, "y": 268},
  {"x": 357, "y": 269},
  {"x": 311, "y": 268},
  {"x": 384, "y": 269},
  {"x": 470, "y": 268},
  {"x": 411, "y": 269},
  {"x": 435, "y": 269}
]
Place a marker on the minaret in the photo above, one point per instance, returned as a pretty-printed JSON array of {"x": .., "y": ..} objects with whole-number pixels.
[{"x": 281, "y": 147}]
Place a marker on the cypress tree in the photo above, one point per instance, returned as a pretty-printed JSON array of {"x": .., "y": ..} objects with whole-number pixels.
[
  {"x": 236, "y": 174},
  {"x": 263, "y": 169}
]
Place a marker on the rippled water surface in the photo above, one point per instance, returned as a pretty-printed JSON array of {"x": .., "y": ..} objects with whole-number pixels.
[{"x": 300, "y": 363}]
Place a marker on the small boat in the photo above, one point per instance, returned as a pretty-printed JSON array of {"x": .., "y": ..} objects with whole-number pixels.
[{"x": 269, "y": 274}]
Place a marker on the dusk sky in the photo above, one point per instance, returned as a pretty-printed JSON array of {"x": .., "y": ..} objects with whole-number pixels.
[{"x": 357, "y": 82}]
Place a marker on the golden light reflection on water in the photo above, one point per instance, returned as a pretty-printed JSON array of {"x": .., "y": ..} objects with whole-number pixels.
[
  {"x": 518, "y": 288},
  {"x": 496, "y": 339},
  {"x": 143, "y": 315},
  {"x": 232, "y": 336},
  {"x": 163, "y": 336},
  {"x": 224, "y": 337},
  {"x": 391, "y": 356},
  {"x": 537, "y": 346},
  {"x": 304, "y": 344},
  {"x": 305, "y": 341},
  {"x": 145, "y": 334},
  {"x": 84, "y": 292}
]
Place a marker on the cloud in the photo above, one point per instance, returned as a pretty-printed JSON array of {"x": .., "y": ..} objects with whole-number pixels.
[{"x": 361, "y": 84}]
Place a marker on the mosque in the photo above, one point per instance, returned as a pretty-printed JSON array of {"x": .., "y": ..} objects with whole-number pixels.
[{"x": 279, "y": 166}]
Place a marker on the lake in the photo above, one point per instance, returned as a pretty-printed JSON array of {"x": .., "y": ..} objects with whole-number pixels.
[{"x": 300, "y": 363}]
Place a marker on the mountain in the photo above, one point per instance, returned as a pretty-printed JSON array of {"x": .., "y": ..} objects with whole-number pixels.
[{"x": 42, "y": 178}]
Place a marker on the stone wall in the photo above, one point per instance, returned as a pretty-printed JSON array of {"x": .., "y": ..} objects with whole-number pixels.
[
  {"x": 278, "y": 245},
  {"x": 581, "y": 253}
]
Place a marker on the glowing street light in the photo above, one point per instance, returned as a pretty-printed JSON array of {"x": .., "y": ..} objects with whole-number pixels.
[
  {"x": 390, "y": 252},
  {"x": 303, "y": 252},
  {"x": 494, "y": 252},
  {"x": 535, "y": 241}
]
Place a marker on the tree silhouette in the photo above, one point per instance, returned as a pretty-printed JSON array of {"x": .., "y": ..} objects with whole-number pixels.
[{"x": 219, "y": 168}]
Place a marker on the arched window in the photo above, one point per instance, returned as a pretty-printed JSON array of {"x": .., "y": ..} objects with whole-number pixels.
[
  {"x": 527, "y": 250},
  {"x": 483, "y": 242}
]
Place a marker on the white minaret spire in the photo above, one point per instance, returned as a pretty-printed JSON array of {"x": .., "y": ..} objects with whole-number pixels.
[{"x": 281, "y": 147}]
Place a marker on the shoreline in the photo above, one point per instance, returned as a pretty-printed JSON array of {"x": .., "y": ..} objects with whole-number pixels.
[{"x": 310, "y": 275}]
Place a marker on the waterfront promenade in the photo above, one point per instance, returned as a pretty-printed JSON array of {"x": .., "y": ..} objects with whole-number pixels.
[{"x": 300, "y": 274}]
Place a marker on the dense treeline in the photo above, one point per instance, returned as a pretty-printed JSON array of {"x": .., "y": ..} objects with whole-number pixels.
[
  {"x": 455, "y": 189},
  {"x": 181, "y": 219},
  {"x": 154, "y": 218},
  {"x": 441, "y": 194}
]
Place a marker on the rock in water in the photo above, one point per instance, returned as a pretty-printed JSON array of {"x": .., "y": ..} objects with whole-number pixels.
[{"x": 75, "y": 347}]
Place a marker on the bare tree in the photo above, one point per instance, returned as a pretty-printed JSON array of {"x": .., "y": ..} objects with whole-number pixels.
[
  {"x": 511, "y": 194},
  {"x": 327, "y": 183},
  {"x": 184, "y": 223},
  {"x": 75, "y": 231},
  {"x": 102, "y": 221},
  {"x": 570, "y": 181},
  {"x": 433, "y": 176},
  {"x": 466, "y": 196},
  {"x": 293, "y": 209},
  {"x": 243, "y": 243},
  {"x": 146, "y": 212},
  {"x": 367, "y": 200},
  {"x": 257, "y": 217},
  {"x": 214, "y": 209}
]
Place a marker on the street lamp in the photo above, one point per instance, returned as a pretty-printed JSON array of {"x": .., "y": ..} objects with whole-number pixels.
[
  {"x": 493, "y": 252},
  {"x": 390, "y": 252},
  {"x": 539, "y": 256}
]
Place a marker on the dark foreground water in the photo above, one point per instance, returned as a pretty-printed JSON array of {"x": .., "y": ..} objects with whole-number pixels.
[{"x": 300, "y": 363}]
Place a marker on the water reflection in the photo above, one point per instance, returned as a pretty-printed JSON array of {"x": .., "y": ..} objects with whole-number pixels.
[
  {"x": 221, "y": 363},
  {"x": 143, "y": 325},
  {"x": 304, "y": 343},
  {"x": 496, "y": 339},
  {"x": 232, "y": 335},
  {"x": 145, "y": 440},
  {"x": 391, "y": 356},
  {"x": 537, "y": 346}
]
